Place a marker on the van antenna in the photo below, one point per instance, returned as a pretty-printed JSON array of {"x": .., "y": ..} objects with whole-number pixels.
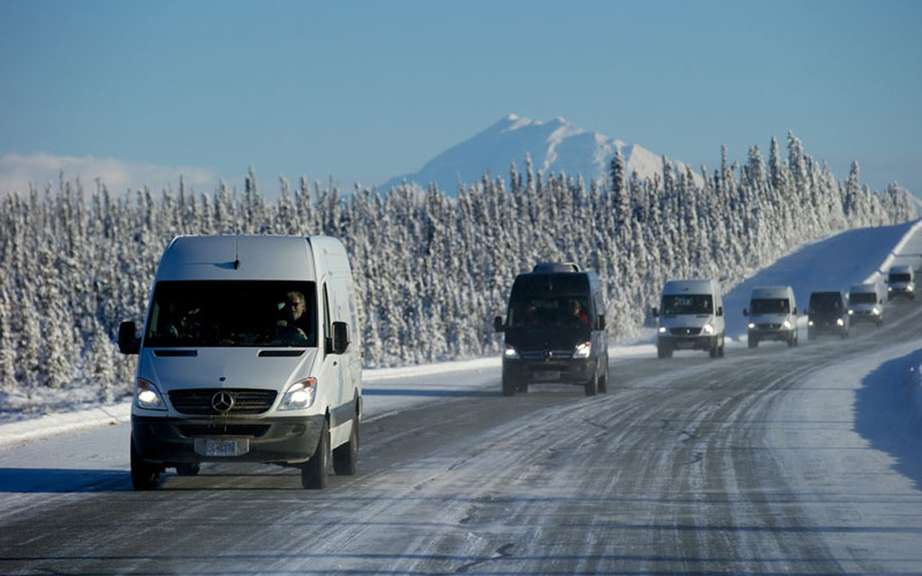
[{"x": 236, "y": 253}]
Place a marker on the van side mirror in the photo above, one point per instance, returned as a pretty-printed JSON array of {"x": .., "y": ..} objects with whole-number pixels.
[
  {"x": 498, "y": 324},
  {"x": 720, "y": 311},
  {"x": 795, "y": 310},
  {"x": 340, "y": 337},
  {"x": 655, "y": 312},
  {"x": 128, "y": 341},
  {"x": 746, "y": 312},
  {"x": 601, "y": 321}
]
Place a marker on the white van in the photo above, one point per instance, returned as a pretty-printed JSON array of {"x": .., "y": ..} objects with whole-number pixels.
[
  {"x": 250, "y": 353},
  {"x": 691, "y": 317},
  {"x": 902, "y": 282},
  {"x": 866, "y": 303},
  {"x": 772, "y": 315}
]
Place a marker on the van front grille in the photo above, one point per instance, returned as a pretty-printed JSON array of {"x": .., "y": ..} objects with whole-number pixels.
[
  {"x": 685, "y": 331},
  {"x": 217, "y": 429},
  {"x": 198, "y": 402}
]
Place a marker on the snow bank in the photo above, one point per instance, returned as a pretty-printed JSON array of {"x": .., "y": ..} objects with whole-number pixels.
[{"x": 888, "y": 412}]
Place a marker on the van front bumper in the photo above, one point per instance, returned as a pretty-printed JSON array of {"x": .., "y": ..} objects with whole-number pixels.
[
  {"x": 698, "y": 342},
  {"x": 570, "y": 371},
  {"x": 780, "y": 334},
  {"x": 170, "y": 441}
]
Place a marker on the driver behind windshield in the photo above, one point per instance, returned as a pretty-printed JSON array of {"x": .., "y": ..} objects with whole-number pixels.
[{"x": 292, "y": 327}]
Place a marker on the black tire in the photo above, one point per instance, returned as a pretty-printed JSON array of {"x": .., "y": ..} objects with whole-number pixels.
[
  {"x": 714, "y": 351},
  {"x": 753, "y": 342},
  {"x": 346, "y": 457},
  {"x": 663, "y": 351},
  {"x": 144, "y": 475},
  {"x": 723, "y": 348},
  {"x": 188, "y": 469},
  {"x": 314, "y": 472},
  {"x": 592, "y": 385},
  {"x": 603, "y": 383},
  {"x": 844, "y": 334},
  {"x": 792, "y": 342},
  {"x": 810, "y": 335},
  {"x": 508, "y": 386}
]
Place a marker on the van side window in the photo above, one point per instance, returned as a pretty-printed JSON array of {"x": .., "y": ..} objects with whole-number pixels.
[{"x": 327, "y": 337}]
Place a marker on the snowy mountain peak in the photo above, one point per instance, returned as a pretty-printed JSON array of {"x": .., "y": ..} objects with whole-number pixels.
[{"x": 554, "y": 146}]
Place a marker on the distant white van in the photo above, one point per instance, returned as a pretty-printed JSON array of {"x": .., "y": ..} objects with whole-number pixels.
[
  {"x": 691, "y": 317},
  {"x": 250, "y": 353},
  {"x": 866, "y": 303},
  {"x": 901, "y": 281},
  {"x": 772, "y": 315}
]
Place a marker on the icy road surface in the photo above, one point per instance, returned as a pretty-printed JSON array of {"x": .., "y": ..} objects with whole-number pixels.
[{"x": 750, "y": 464}]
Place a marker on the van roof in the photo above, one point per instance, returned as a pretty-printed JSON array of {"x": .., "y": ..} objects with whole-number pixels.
[
  {"x": 772, "y": 292},
  {"x": 901, "y": 269},
  {"x": 693, "y": 286},
  {"x": 859, "y": 288},
  {"x": 256, "y": 257}
]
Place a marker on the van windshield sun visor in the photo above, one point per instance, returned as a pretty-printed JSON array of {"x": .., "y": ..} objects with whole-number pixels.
[{"x": 233, "y": 313}]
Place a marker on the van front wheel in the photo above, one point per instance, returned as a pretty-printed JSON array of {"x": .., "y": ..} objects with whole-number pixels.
[
  {"x": 592, "y": 385},
  {"x": 346, "y": 457},
  {"x": 144, "y": 476},
  {"x": 508, "y": 386},
  {"x": 314, "y": 471}
]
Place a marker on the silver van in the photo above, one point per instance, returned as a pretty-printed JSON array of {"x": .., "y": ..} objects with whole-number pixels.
[
  {"x": 901, "y": 281},
  {"x": 691, "y": 317},
  {"x": 772, "y": 315},
  {"x": 866, "y": 304},
  {"x": 250, "y": 353}
]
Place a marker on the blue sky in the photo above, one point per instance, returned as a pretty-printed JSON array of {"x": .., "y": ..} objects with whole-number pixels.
[{"x": 369, "y": 90}]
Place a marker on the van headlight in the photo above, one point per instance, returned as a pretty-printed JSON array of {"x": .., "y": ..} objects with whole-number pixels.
[
  {"x": 809, "y": 322},
  {"x": 582, "y": 350},
  {"x": 148, "y": 397},
  {"x": 786, "y": 324},
  {"x": 850, "y": 312},
  {"x": 840, "y": 322},
  {"x": 751, "y": 326},
  {"x": 299, "y": 395},
  {"x": 708, "y": 329},
  {"x": 875, "y": 310},
  {"x": 909, "y": 288},
  {"x": 662, "y": 330},
  {"x": 510, "y": 352}
]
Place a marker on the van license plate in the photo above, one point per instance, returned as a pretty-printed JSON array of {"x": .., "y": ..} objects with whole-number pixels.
[
  {"x": 547, "y": 375},
  {"x": 221, "y": 447}
]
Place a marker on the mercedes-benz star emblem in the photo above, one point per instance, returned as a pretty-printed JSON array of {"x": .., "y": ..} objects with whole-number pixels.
[{"x": 222, "y": 401}]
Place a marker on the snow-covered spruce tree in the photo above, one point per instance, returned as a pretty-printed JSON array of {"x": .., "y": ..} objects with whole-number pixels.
[{"x": 8, "y": 381}]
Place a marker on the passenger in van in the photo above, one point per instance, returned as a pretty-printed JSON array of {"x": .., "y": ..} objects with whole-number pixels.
[
  {"x": 577, "y": 313},
  {"x": 292, "y": 328}
]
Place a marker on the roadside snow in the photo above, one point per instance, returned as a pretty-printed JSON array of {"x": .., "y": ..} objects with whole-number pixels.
[{"x": 849, "y": 441}]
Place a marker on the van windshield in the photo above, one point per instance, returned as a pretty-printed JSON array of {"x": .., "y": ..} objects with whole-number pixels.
[
  {"x": 863, "y": 298},
  {"x": 900, "y": 278},
  {"x": 549, "y": 312},
  {"x": 681, "y": 304},
  {"x": 770, "y": 306},
  {"x": 826, "y": 302},
  {"x": 232, "y": 313}
]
